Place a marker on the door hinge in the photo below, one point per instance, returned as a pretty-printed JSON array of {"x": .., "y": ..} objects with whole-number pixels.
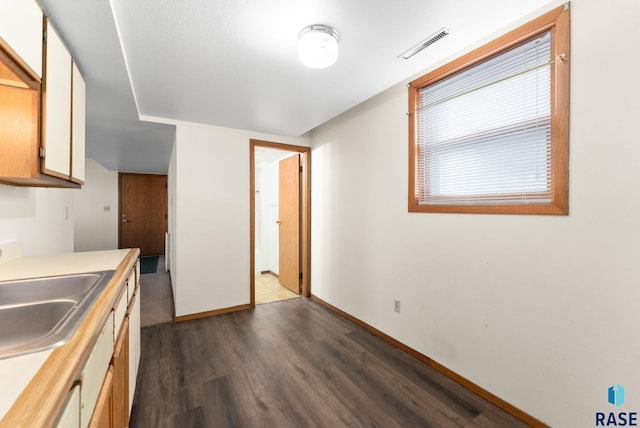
[
  {"x": 43, "y": 152},
  {"x": 300, "y": 276},
  {"x": 300, "y": 169}
]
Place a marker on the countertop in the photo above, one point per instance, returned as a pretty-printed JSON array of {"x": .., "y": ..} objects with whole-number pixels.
[
  {"x": 60, "y": 264},
  {"x": 24, "y": 377}
]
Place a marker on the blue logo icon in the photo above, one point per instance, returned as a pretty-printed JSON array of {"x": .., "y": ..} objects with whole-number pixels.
[{"x": 616, "y": 395}]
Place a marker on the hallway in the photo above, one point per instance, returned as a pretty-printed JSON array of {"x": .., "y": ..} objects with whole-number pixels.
[{"x": 156, "y": 297}]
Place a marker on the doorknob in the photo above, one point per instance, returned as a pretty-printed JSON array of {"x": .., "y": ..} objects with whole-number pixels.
[
  {"x": 278, "y": 221},
  {"x": 124, "y": 220}
]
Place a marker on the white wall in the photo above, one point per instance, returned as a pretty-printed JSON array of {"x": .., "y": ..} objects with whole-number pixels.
[
  {"x": 540, "y": 310},
  {"x": 211, "y": 234},
  {"x": 269, "y": 213},
  {"x": 95, "y": 228},
  {"x": 172, "y": 201},
  {"x": 39, "y": 217},
  {"x": 50, "y": 221}
]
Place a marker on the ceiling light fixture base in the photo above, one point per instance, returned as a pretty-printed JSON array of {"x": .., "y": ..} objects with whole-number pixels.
[{"x": 318, "y": 46}]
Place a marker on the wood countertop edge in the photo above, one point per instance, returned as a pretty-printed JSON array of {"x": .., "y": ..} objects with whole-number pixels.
[{"x": 40, "y": 402}]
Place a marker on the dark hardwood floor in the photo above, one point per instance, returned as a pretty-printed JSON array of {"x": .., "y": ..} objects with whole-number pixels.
[{"x": 293, "y": 364}]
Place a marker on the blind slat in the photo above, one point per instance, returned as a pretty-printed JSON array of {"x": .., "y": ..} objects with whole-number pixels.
[{"x": 484, "y": 135}]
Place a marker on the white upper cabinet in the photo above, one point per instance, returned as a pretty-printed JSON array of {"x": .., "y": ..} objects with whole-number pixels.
[
  {"x": 78, "y": 117},
  {"x": 21, "y": 29},
  {"x": 57, "y": 107},
  {"x": 42, "y": 102}
]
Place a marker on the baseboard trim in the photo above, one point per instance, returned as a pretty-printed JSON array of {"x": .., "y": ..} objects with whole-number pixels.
[
  {"x": 466, "y": 383},
  {"x": 212, "y": 313}
]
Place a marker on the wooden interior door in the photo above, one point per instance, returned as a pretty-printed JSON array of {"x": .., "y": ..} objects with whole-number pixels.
[
  {"x": 289, "y": 221},
  {"x": 143, "y": 212}
]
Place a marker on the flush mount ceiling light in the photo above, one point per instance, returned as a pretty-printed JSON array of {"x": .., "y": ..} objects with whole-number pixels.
[{"x": 318, "y": 46}]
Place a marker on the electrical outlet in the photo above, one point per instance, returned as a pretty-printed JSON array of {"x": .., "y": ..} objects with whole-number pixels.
[
  {"x": 107, "y": 208},
  {"x": 396, "y": 305}
]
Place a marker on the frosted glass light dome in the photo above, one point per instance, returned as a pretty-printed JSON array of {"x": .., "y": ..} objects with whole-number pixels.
[{"x": 318, "y": 46}]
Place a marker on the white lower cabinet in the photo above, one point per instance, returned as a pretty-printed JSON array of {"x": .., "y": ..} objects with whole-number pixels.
[
  {"x": 119, "y": 312},
  {"x": 103, "y": 396},
  {"x": 94, "y": 372},
  {"x": 70, "y": 414},
  {"x": 134, "y": 344}
]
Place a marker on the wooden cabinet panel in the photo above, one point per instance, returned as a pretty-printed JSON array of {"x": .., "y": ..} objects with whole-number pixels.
[
  {"x": 120, "y": 365},
  {"x": 57, "y": 107},
  {"x": 102, "y": 415},
  {"x": 19, "y": 113},
  {"x": 21, "y": 29}
]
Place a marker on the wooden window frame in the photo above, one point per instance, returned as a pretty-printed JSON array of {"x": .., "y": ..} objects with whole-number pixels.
[{"x": 557, "y": 21}]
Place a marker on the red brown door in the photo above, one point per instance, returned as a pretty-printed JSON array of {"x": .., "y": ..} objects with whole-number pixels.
[
  {"x": 289, "y": 221},
  {"x": 143, "y": 212}
]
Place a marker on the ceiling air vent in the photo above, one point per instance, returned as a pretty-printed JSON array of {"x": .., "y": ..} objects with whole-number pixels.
[{"x": 425, "y": 43}]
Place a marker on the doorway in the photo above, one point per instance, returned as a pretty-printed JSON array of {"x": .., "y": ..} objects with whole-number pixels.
[
  {"x": 287, "y": 221},
  {"x": 143, "y": 212}
]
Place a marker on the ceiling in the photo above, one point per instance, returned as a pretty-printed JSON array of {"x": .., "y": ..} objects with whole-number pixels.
[{"x": 233, "y": 63}]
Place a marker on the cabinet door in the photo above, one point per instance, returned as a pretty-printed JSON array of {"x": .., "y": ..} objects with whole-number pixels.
[
  {"x": 19, "y": 116},
  {"x": 57, "y": 107},
  {"x": 78, "y": 118},
  {"x": 120, "y": 378},
  {"x": 93, "y": 374},
  {"x": 134, "y": 344},
  {"x": 103, "y": 411},
  {"x": 70, "y": 414},
  {"x": 21, "y": 29},
  {"x": 119, "y": 312}
]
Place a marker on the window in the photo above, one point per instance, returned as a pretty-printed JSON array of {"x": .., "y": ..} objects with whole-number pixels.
[{"x": 489, "y": 132}]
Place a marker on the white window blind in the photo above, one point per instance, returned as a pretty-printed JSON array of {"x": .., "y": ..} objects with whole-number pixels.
[{"x": 484, "y": 134}]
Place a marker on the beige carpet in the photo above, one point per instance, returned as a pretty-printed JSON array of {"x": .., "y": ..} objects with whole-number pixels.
[
  {"x": 156, "y": 297},
  {"x": 268, "y": 289}
]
